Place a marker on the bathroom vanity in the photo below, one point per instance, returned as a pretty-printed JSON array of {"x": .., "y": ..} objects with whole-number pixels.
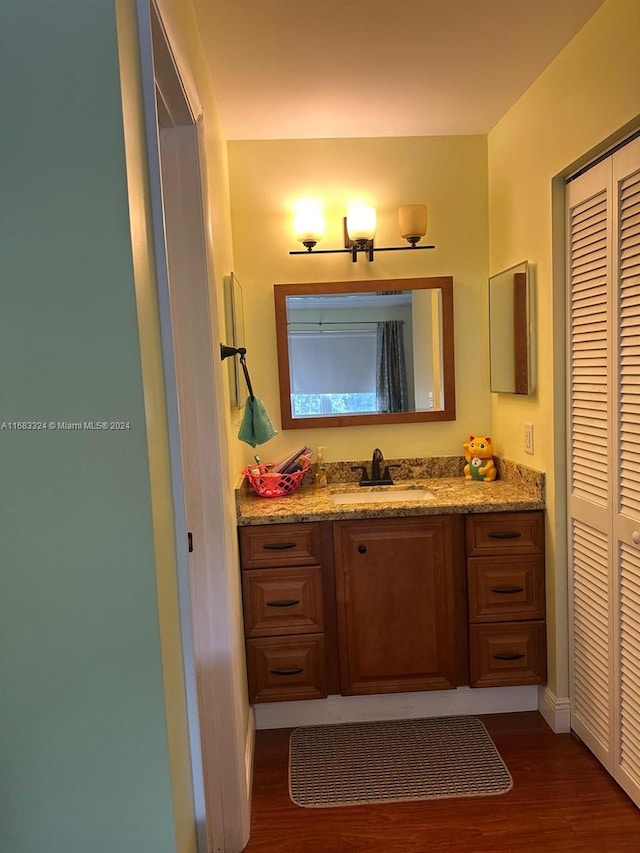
[{"x": 393, "y": 596}]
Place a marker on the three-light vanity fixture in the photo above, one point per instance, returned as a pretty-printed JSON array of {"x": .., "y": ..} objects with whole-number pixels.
[{"x": 359, "y": 230}]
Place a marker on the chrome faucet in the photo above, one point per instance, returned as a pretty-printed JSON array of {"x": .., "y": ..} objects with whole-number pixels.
[{"x": 377, "y": 478}]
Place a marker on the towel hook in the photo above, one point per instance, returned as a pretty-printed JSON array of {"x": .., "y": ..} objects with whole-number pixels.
[{"x": 227, "y": 351}]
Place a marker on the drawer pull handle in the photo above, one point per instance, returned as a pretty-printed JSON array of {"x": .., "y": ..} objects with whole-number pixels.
[
  {"x": 295, "y": 670},
  {"x": 504, "y": 656},
  {"x": 505, "y": 590},
  {"x": 504, "y": 534},
  {"x": 283, "y": 602},
  {"x": 278, "y": 546},
  {"x": 362, "y": 549}
]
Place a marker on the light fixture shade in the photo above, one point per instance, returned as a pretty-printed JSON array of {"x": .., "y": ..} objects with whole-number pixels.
[
  {"x": 412, "y": 221},
  {"x": 308, "y": 222},
  {"x": 361, "y": 222}
]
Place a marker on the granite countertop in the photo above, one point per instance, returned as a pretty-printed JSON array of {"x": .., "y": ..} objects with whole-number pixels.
[{"x": 517, "y": 490}]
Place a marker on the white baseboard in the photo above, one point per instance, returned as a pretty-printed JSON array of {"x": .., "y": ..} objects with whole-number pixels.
[
  {"x": 249, "y": 751},
  {"x": 396, "y": 706},
  {"x": 556, "y": 712}
]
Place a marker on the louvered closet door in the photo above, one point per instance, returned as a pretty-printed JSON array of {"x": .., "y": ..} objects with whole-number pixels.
[
  {"x": 589, "y": 454},
  {"x": 626, "y": 521},
  {"x": 603, "y": 227}
]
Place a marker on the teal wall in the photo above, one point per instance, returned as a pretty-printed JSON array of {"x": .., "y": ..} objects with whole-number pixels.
[{"x": 83, "y": 746}]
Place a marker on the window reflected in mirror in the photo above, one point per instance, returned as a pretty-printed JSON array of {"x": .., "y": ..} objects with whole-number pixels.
[{"x": 365, "y": 352}]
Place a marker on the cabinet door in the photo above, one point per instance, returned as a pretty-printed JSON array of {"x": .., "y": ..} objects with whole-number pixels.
[{"x": 396, "y": 596}]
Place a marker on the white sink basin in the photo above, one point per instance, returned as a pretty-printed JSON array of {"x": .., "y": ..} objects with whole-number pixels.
[{"x": 391, "y": 496}]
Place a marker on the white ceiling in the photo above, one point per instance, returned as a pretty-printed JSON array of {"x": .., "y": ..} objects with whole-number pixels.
[{"x": 348, "y": 68}]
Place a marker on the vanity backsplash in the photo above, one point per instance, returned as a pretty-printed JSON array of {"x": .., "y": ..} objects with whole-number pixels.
[{"x": 428, "y": 468}]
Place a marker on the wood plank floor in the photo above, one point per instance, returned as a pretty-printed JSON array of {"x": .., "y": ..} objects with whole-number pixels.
[{"x": 562, "y": 799}]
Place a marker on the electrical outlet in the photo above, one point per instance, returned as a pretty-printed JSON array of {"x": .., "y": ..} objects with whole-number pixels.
[{"x": 528, "y": 438}]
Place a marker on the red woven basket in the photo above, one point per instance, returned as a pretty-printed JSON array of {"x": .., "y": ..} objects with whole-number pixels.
[{"x": 269, "y": 484}]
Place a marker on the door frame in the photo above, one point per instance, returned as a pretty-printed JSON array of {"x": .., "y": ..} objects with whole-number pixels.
[{"x": 218, "y": 740}]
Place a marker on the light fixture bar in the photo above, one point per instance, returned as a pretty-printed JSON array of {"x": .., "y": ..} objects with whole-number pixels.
[
  {"x": 350, "y": 251},
  {"x": 320, "y": 251},
  {"x": 400, "y": 248},
  {"x": 359, "y": 226}
]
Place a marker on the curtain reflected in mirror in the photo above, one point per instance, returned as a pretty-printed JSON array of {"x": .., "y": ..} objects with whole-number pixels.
[
  {"x": 356, "y": 352},
  {"x": 391, "y": 371}
]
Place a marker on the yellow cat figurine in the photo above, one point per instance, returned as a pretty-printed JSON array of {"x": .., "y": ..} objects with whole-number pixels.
[{"x": 478, "y": 452}]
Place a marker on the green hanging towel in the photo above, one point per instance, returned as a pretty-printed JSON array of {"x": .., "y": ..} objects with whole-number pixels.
[{"x": 256, "y": 426}]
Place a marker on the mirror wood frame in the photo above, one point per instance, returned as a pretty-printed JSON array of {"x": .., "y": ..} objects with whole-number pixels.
[{"x": 444, "y": 283}]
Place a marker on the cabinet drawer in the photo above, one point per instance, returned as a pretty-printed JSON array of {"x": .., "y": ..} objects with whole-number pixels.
[
  {"x": 502, "y": 654},
  {"x": 505, "y": 533},
  {"x": 506, "y": 588},
  {"x": 282, "y": 601},
  {"x": 286, "y": 668},
  {"x": 279, "y": 545}
]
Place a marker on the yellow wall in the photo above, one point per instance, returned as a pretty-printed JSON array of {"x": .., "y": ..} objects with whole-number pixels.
[
  {"x": 185, "y": 25},
  {"x": 586, "y": 96},
  {"x": 449, "y": 174}
]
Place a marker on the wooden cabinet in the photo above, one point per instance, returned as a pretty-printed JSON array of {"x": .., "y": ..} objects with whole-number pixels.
[
  {"x": 507, "y": 632},
  {"x": 390, "y": 605},
  {"x": 400, "y": 604},
  {"x": 284, "y": 593}
]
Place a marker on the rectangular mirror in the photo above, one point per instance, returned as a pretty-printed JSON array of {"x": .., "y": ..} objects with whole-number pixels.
[
  {"x": 509, "y": 330},
  {"x": 369, "y": 352},
  {"x": 234, "y": 323}
]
